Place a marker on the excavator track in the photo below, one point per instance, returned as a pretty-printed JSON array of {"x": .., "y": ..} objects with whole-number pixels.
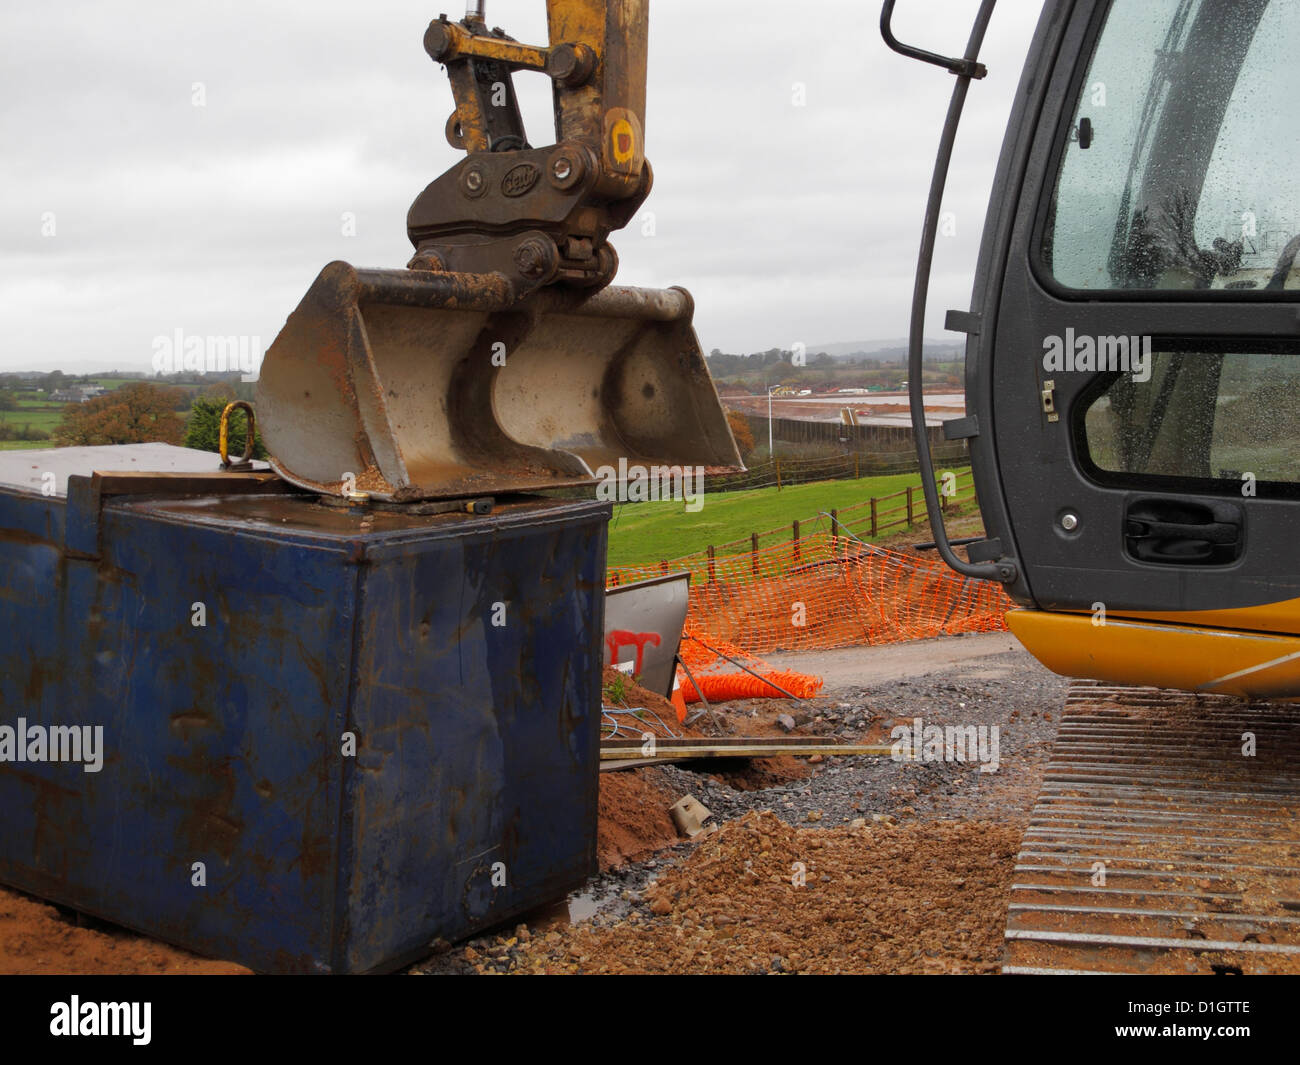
[{"x": 1157, "y": 845}]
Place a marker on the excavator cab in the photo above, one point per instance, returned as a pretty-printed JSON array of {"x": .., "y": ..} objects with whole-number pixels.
[
  {"x": 501, "y": 359},
  {"x": 1133, "y": 352}
]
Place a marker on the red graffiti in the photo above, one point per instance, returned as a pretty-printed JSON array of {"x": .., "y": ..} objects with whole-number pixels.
[{"x": 620, "y": 638}]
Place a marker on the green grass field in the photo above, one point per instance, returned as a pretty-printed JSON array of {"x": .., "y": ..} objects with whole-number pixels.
[
  {"x": 25, "y": 445},
  {"x": 37, "y": 411},
  {"x": 642, "y": 533},
  {"x": 38, "y": 416}
]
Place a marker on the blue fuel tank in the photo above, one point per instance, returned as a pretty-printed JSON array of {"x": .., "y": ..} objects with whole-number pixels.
[{"x": 327, "y": 737}]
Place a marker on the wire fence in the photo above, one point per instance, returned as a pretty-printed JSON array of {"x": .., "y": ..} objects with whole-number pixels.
[
  {"x": 781, "y": 472},
  {"x": 867, "y": 520}
]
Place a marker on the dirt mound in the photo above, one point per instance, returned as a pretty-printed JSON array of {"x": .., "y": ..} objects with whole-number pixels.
[
  {"x": 761, "y": 896},
  {"x": 36, "y": 939},
  {"x": 633, "y": 817},
  {"x": 621, "y": 691}
]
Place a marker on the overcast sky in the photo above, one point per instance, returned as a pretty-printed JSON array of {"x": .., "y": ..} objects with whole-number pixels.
[{"x": 788, "y": 224}]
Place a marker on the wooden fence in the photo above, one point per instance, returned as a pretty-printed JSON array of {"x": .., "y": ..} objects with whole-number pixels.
[
  {"x": 865, "y": 520},
  {"x": 784, "y": 472}
]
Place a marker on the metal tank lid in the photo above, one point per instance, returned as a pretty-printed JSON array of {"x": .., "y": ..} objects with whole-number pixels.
[{"x": 27, "y": 470}]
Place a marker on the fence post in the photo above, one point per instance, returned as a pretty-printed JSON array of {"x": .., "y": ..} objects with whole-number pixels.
[
  {"x": 712, "y": 574},
  {"x": 857, "y": 466},
  {"x": 874, "y": 530},
  {"x": 778, "y": 474},
  {"x": 835, "y": 532},
  {"x": 909, "y": 506},
  {"x": 796, "y": 539},
  {"x": 753, "y": 554}
]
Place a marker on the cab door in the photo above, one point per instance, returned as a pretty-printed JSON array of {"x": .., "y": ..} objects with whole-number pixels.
[{"x": 1134, "y": 366}]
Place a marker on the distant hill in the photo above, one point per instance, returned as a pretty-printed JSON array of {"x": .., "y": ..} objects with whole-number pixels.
[{"x": 883, "y": 349}]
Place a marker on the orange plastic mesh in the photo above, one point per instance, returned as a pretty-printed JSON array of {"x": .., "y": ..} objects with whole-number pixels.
[
  {"x": 817, "y": 593},
  {"x": 722, "y": 679}
]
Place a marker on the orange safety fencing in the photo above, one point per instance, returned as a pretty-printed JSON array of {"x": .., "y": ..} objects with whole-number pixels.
[
  {"x": 716, "y": 667},
  {"x": 815, "y": 593}
]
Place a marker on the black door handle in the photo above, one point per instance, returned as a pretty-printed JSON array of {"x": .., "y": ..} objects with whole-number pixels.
[
  {"x": 1184, "y": 532},
  {"x": 1215, "y": 532}
]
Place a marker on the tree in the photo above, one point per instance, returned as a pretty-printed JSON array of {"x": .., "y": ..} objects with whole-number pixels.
[
  {"x": 776, "y": 373},
  {"x": 132, "y": 414},
  {"x": 204, "y": 430},
  {"x": 741, "y": 431}
]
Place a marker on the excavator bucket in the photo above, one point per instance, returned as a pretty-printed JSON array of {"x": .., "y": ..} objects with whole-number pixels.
[{"x": 413, "y": 384}]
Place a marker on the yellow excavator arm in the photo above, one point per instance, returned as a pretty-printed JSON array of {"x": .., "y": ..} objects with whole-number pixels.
[
  {"x": 501, "y": 359},
  {"x": 539, "y": 215}
]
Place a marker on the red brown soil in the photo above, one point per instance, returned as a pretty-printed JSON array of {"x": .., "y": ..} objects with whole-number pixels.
[
  {"x": 633, "y": 816},
  {"x": 746, "y": 774},
  {"x": 913, "y": 898},
  {"x": 36, "y": 939},
  {"x": 636, "y": 696}
]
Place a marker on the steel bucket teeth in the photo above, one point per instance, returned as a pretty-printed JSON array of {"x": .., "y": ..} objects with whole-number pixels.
[{"x": 419, "y": 385}]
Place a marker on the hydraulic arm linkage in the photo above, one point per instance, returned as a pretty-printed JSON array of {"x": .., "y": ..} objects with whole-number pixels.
[
  {"x": 502, "y": 359},
  {"x": 539, "y": 216}
]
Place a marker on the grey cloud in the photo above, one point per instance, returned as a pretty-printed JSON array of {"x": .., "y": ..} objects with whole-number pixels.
[{"x": 785, "y": 222}]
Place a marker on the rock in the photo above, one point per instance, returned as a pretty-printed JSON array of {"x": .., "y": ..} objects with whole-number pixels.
[
  {"x": 814, "y": 815},
  {"x": 661, "y": 906},
  {"x": 858, "y": 822},
  {"x": 786, "y": 722},
  {"x": 816, "y": 759},
  {"x": 689, "y": 815},
  {"x": 884, "y": 819}
]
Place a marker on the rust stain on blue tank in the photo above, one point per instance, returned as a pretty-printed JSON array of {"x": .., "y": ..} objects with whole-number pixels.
[{"x": 472, "y": 794}]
